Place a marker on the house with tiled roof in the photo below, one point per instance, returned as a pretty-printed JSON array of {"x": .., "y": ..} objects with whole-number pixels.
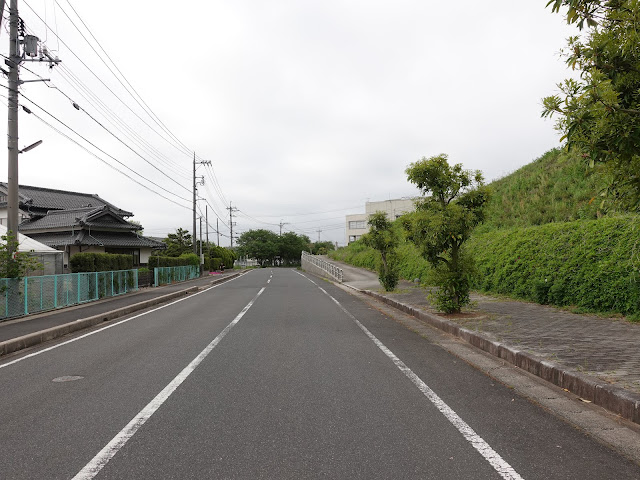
[{"x": 75, "y": 222}]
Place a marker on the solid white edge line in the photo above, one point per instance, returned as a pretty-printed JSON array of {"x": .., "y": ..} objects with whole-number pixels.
[
  {"x": 503, "y": 468},
  {"x": 98, "y": 462},
  {"x": 75, "y": 339}
]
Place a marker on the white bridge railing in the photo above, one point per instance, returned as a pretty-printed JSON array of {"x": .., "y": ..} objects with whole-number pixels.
[{"x": 314, "y": 263}]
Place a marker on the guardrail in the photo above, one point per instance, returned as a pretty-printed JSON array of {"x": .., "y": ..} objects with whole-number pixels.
[
  {"x": 321, "y": 266},
  {"x": 47, "y": 292},
  {"x": 167, "y": 275}
]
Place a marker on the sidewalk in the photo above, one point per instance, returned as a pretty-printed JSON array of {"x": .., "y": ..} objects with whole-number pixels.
[
  {"x": 19, "y": 327},
  {"x": 596, "y": 358}
]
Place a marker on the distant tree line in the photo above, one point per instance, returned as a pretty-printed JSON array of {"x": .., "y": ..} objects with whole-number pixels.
[
  {"x": 180, "y": 246},
  {"x": 269, "y": 248}
]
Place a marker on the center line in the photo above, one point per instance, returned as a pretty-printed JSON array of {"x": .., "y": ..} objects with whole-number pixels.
[{"x": 98, "y": 462}]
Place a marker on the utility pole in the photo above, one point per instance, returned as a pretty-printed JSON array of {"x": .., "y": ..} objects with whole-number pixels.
[
  {"x": 282, "y": 224},
  {"x": 16, "y": 57},
  {"x": 206, "y": 210},
  {"x": 231, "y": 211},
  {"x": 195, "y": 185},
  {"x": 200, "y": 256},
  {"x": 13, "y": 203},
  {"x": 218, "y": 230}
]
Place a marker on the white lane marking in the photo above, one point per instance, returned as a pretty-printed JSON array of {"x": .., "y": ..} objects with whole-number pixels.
[
  {"x": 505, "y": 470},
  {"x": 98, "y": 462},
  {"x": 39, "y": 352}
]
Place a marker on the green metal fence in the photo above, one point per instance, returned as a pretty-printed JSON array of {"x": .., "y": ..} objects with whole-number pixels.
[
  {"x": 48, "y": 292},
  {"x": 166, "y": 275}
]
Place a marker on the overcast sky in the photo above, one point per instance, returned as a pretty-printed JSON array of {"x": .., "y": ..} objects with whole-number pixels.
[{"x": 306, "y": 109}]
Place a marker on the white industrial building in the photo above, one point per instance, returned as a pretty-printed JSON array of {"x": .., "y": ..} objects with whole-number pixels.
[{"x": 356, "y": 224}]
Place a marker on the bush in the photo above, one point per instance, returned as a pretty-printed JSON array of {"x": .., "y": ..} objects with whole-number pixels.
[
  {"x": 190, "y": 259},
  {"x": 186, "y": 259},
  {"x": 215, "y": 264},
  {"x": 100, "y": 262},
  {"x": 591, "y": 264}
]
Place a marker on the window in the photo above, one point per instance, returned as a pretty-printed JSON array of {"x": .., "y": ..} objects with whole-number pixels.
[{"x": 357, "y": 224}]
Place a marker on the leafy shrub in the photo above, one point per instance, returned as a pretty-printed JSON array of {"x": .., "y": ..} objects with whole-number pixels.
[
  {"x": 100, "y": 262},
  {"x": 591, "y": 264},
  {"x": 190, "y": 259},
  {"x": 157, "y": 261},
  {"x": 215, "y": 264}
]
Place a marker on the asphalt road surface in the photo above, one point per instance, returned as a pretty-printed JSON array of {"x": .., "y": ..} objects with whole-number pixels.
[{"x": 275, "y": 374}]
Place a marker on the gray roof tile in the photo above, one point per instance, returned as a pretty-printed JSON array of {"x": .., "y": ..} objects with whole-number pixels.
[{"x": 51, "y": 199}]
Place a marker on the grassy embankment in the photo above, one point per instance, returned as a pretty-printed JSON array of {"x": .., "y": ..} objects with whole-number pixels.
[{"x": 546, "y": 239}]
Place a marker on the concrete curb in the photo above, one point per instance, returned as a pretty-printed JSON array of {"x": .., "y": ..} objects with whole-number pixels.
[
  {"x": 615, "y": 399},
  {"x": 31, "y": 339}
]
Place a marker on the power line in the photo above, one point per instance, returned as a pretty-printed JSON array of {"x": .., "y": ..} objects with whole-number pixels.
[
  {"x": 183, "y": 150},
  {"x": 104, "y": 161},
  {"x": 99, "y": 149}
]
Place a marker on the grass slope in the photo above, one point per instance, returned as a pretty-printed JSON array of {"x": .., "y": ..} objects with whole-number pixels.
[{"x": 546, "y": 238}]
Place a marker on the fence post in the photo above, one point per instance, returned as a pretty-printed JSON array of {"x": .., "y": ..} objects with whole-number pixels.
[
  {"x": 41, "y": 280},
  {"x": 55, "y": 291},
  {"x": 6, "y": 297},
  {"x": 26, "y": 297}
]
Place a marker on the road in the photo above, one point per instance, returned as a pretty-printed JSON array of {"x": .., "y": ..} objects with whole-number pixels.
[{"x": 276, "y": 374}]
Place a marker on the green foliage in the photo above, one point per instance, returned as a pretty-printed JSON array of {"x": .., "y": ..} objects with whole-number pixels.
[
  {"x": 454, "y": 285},
  {"x": 591, "y": 264},
  {"x": 259, "y": 244},
  {"x": 321, "y": 248},
  {"x": 443, "y": 221},
  {"x": 265, "y": 246},
  {"x": 291, "y": 247},
  {"x": 158, "y": 261},
  {"x": 190, "y": 259},
  {"x": 215, "y": 264},
  {"x": 384, "y": 239},
  {"x": 226, "y": 255},
  {"x": 178, "y": 243},
  {"x": 599, "y": 114},
  {"x": 18, "y": 264},
  {"x": 557, "y": 187},
  {"x": 100, "y": 262}
]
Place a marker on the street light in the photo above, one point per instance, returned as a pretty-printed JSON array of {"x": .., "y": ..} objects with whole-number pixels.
[{"x": 30, "y": 147}]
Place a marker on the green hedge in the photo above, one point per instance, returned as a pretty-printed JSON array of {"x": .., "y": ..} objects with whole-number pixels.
[
  {"x": 592, "y": 264},
  {"x": 100, "y": 262},
  {"x": 182, "y": 260},
  {"x": 410, "y": 264},
  {"x": 215, "y": 264}
]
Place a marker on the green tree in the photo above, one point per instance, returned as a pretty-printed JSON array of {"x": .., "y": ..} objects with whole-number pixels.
[
  {"x": 322, "y": 248},
  {"x": 599, "y": 113},
  {"x": 291, "y": 246},
  {"x": 178, "y": 243},
  {"x": 17, "y": 265},
  {"x": 383, "y": 238},
  {"x": 263, "y": 245},
  {"x": 443, "y": 221}
]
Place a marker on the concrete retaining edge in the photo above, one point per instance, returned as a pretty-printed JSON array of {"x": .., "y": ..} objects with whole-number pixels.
[
  {"x": 611, "y": 397},
  {"x": 31, "y": 339}
]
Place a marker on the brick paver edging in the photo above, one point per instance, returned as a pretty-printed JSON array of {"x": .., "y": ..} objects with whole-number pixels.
[
  {"x": 613, "y": 398},
  {"x": 31, "y": 339}
]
